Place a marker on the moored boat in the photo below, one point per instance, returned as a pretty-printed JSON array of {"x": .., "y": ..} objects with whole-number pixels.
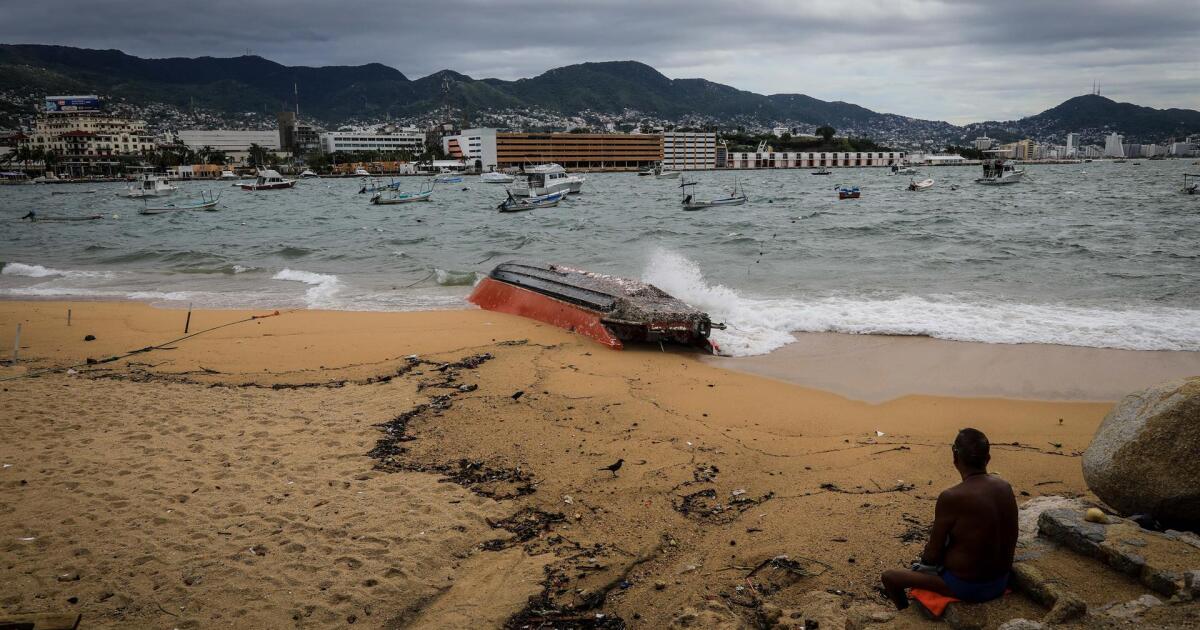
[
  {"x": 611, "y": 310},
  {"x": 269, "y": 180},
  {"x": 998, "y": 171},
  {"x": 545, "y": 179},
  {"x": 228, "y": 175},
  {"x": 148, "y": 185},
  {"x": 921, "y": 185},
  {"x": 736, "y": 198},
  {"x": 521, "y": 204},
  {"x": 59, "y": 218},
  {"x": 848, "y": 192},
  {"x": 383, "y": 198},
  {"x": 307, "y": 174},
  {"x": 823, "y": 171},
  {"x": 1191, "y": 184},
  {"x": 207, "y": 202},
  {"x": 448, "y": 178}
]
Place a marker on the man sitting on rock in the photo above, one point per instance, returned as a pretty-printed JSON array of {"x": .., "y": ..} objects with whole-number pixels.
[{"x": 974, "y": 534}]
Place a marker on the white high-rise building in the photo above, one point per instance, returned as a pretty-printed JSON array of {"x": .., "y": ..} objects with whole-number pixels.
[
  {"x": 1113, "y": 147},
  {"x": 983, "y": 143},
  {"x": 1072, "y": 144}
]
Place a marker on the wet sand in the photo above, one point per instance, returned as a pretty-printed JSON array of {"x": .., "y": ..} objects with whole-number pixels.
[
  {"x": 315, "y": 469},
  {"x": 881, "y": 367}
]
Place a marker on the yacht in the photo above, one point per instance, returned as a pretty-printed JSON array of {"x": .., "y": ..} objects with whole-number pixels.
[
  {"x": 148, "y": 185},
  {"x": 545, "y": 179},
  {"x": 269, "y": 180},
  {"x": 998, "y": 171},
  {"x": 228, "y": 175},
  {"x": 307, "y": 174}
]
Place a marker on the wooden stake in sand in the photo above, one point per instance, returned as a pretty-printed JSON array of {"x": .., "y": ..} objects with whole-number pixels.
[
  {"x": 188, "y": 321},
  {"x": 68, "y": 317},
  {"x": 16, "y": 344}
]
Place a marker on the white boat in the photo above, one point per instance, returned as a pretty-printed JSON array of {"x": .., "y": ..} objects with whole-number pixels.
[
  {"x": 148, "y": 186},
  {"x": 448, "y": 178},
  {"x": 545, "y": 179},
  {"x": 228, "y": 175},
  {"x": 736, "y": 198},
  {"x": 385, "y": 198},
  {"x": 496, "y": 178},
  {"x": 361, "y": 172},
  {"x": 307, "y": 174},
  {"x": 207, "y": 202},
  {"x": 659, "y": 173},
  {"x": 902, "y": 169},
  {"x": 921, "y": 185},
  {"x": 521, "y": 204},
  {"x": 269, "y": 180},
  {"x": 999, "y": 171}
]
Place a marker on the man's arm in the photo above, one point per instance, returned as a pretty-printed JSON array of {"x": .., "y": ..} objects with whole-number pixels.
[{"x": 943, "y": 522}]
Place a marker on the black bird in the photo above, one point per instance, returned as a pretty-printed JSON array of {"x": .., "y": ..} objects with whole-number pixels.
[{"x": 614, "y": 468}]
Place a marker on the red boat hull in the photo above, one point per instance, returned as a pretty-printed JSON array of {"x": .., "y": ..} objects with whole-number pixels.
[{"x": 506, "y": 298}]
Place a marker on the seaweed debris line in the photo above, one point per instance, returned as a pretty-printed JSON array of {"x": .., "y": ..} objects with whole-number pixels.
[{"x": 609, "y": 309}]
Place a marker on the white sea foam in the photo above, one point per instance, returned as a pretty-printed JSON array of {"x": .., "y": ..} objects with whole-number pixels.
[
  {"x": 241, "y": 269},
  {"x": 38, "y": 271},
  {"x": 322, "y": 290},
  {"x": 757, "y": 326},
  {"x": 149, "y": 296}
]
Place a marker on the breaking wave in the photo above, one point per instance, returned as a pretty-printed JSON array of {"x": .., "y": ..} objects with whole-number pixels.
[
  {"x": 757, "y": 326},
  {"x": 38, "y": 271},
  {"x": 322, "y": 289}
]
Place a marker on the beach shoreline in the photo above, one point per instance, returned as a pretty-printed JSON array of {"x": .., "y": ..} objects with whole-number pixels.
[{"x": 408, "y": 469}]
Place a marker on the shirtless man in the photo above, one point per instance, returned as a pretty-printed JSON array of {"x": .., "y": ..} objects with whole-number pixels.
[{"x": 974, "y": 534}]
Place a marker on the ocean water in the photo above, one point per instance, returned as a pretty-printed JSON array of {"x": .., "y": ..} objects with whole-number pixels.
[{"x": 1095, "y": 254}]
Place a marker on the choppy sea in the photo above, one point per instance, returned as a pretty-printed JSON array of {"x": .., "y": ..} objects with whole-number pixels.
[{"x": 1095, "y": 254}]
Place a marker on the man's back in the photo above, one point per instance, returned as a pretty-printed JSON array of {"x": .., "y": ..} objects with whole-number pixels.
[{"x": 984, "y": 535}]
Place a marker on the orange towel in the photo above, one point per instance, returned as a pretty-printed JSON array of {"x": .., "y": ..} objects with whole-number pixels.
[{"x": 936, "y": 603}]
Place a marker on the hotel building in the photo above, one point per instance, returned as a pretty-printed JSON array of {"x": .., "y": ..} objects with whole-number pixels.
[
  {"x": 485, "y": 149},
  {"x": 82, "y": 136},
  {"x": 814, "y": 159},
  {"x": 687, "y": 151},
  {"x": 404, "y": 140}
]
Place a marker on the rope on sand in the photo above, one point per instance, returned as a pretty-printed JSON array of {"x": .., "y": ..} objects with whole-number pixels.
[{"x": 160, "y": 346}]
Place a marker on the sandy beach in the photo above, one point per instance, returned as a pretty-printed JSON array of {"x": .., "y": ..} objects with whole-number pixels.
[{"x": 440, "y": 469}]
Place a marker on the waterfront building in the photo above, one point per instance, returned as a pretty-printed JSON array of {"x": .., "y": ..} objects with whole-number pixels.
[
  {"x": 1113, "y": 145},
  {"x": 1022, "y": 150},
  {"x": 487, "y": 149},
  {"x": 983, "y": 143},
  {"x": 687, "y": 150},
  {"x": 813, "y": 159},
  {"x": 297, "y": 136},
  {"x": 1072, "y": 144},
  {"x": 408, "y": 140},
  {"x": 235, "y": 143},
  {"x": 84, "y": 138}
]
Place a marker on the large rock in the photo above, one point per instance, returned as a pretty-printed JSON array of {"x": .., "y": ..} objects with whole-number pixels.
[{"x": 1145, "y": 457}]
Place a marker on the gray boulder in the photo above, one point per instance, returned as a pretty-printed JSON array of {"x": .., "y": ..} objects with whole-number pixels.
[{"x": 1145, "y": 457}]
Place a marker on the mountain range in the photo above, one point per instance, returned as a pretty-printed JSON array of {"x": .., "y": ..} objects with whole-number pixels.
[{"x": 336, "y": 94}]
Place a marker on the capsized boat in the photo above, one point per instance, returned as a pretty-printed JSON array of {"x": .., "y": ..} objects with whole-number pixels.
[
  {"x": 1191, "y": 184},
  {"x": 38, "y": 218},
  {"x": 823, "y": 171},
  {"x": 207, "y": 202},
  {"x": 521, "y": 204},
  {"x": 921, "y": 185},
  {"x": 448, "y": 178},
  {"x": 148, "y": 186},
  {"x": 609, "y": 309},
  {"x": 269, "y": 180},
  {"x": 736, "y": 198}
]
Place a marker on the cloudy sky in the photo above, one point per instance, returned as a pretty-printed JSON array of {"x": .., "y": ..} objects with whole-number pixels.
[{"x": 956, "y": 60}]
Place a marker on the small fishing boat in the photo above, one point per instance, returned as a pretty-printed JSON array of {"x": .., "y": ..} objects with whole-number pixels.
[
  {"x": 43, "y": 218},
  {"x": 207, "y": 202},
  {"x": 646, "y": 172},
  {"x": 612, "y": 310},
  {"x": 736, "y": 198},
  {"x": 521, "y": 204},
  {"x": 362, "y": 172},
  {"x": 659, "y": 173},
  {"x": 448, "y": 178},
  {"x": 902, "y": 169},
  {"x": 307, "y": 174},
  {"x": 148, "y": 185},
  {"x": 228, "y": 175},
  {"x": 921, "y": 185},
  {"x": 269, "y": 180},
  {"x": 494, "y": 177},
  {"x": 822, "y": 171},
  {"x": 1191, "y": 184},
  {"x": 847, "y": 192},
  {"x": 999, "y": 171},
  {"x": 383, "y": 198},
  {"x": 377, "y": 187}
]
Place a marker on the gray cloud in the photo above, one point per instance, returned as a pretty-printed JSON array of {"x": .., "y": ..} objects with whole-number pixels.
[{"x": 944, "y": 59}]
